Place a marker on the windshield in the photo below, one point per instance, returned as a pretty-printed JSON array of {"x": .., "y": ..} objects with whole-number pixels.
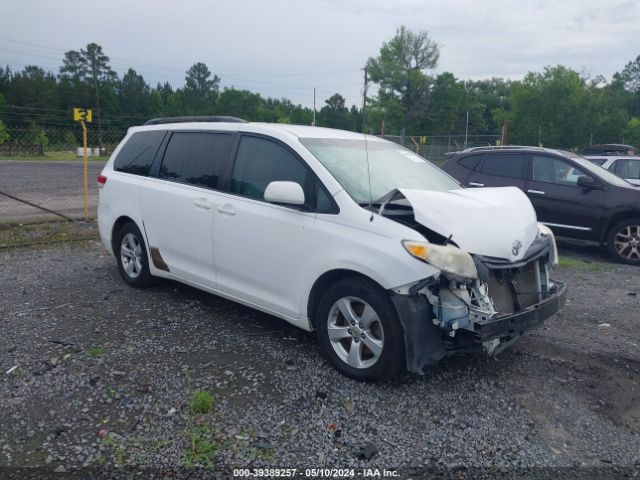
[{"x": 391, "y": 167}]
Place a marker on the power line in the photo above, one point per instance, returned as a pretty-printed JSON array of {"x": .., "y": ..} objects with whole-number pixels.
[{"x": 165, "y": 67}]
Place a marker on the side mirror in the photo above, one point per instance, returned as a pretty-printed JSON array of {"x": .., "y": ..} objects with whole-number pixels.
[
  {"x": 288, "y": 193},
  {"x": 586, "y": 181}
]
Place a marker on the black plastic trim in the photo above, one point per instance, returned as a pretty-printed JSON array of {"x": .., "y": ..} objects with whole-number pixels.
[
  {"x": 197, "y": 119},
  {"x": 516, "y": 324}
]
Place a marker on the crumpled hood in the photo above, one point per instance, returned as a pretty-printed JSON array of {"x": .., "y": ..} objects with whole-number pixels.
[{"x": 495, "y": 222}]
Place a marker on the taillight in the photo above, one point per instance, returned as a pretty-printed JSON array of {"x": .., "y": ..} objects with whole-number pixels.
[{"x": 101, "y": 181}]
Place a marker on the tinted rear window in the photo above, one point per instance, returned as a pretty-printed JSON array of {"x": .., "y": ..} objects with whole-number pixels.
[
  {"x": 470, "y": 162},
  {"x": 628, "y": 168},
  {"x": 136, "y": 156},
  {"x": 504, "y": 165},
  {"x": 195, "y": 158}
]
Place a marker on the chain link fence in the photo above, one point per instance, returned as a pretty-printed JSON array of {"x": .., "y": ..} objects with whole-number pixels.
[
  {"x": 42, "y": 173},
  {"x": 51, "y": 141},
  {"x": 435, "y": 147}
]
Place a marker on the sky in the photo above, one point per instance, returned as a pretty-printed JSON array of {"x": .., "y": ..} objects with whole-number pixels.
[{"x": 285, "y": 48}]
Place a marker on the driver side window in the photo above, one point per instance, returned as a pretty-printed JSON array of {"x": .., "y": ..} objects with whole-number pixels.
[
  {"x": 553, "y": 170},
  {"x": 260, "y": 162}
]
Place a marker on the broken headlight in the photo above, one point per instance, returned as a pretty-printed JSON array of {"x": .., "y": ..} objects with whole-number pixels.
[{"x": 447, "y": 258}]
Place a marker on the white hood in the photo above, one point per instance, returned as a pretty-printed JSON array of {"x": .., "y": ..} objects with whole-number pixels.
[{"x": 484, "y": 221}]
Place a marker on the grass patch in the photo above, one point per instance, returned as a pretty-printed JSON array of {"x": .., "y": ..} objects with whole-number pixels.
[
  {"x": 53, "y": 157},
  {"x": 17, "y": 373},
  {"x": 579, "y": 264},
  {"x": 202, "y": 402},
  {"x": 120, "y": 454},
  {"x": 201, "y": 449},
  {"x": 95, "y": 352},
  {"x": 21, "y": 235}
]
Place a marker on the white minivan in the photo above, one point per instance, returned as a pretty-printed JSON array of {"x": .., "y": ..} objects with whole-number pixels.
[{"x": 392, "y": 262}]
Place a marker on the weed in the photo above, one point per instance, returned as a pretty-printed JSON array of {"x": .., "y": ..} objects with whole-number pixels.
[
  {"x": 202, "y": 448},
  {"x": 95, "y": 352},
  {"x": 202, "y": 402}
]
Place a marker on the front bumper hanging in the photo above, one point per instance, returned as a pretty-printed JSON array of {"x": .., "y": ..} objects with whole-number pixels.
[
  {"x": 515, "y": 324},
  {"x": 426, "y": 344}
]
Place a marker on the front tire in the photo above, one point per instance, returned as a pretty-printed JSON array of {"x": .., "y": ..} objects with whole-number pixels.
[
  {"x": 131, "y": 255},
  {"x": 359, "y": 331},
  {"x": 623, "y": 241}
]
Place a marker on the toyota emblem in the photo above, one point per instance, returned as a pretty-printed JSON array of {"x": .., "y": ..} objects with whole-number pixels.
[{"x": 515, "y": 248}]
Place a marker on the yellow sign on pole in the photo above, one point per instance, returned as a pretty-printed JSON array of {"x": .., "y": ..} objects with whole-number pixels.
[{"x": 83, "y": 115}]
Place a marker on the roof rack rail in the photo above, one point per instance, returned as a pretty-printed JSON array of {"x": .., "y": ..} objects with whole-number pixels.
[
  {"x": 213, "y": 118},
  {"x": 504, "y": 147}
]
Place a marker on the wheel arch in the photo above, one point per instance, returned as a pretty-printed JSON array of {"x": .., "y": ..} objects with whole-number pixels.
[
  {"x": 323, "y": 281},
  {"x": 117, "y": 225},
  {"x": 614, "y": 220}
]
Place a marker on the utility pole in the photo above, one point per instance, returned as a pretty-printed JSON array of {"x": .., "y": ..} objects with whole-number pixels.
[
  {"x": 364, "y": 102},
  {"x": 504, "y": 139},
  {"x": 314, "y": 107},
  {"x": 95, "y": 87},
  {"x": 466, "y": 131}
]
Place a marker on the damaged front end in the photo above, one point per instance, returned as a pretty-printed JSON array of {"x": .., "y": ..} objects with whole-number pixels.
[{"x": 476, "y": 303}]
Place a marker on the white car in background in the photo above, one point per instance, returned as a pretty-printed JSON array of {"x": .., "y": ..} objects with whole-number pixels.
[
  {"x": 392, "y": 262},
  {"x": 625, "y": 167}
]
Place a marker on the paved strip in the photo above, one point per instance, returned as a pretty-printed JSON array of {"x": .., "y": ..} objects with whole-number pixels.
[{"x": 55, "y": 186}]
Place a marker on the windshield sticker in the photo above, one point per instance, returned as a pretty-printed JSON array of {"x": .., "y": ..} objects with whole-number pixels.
[{"x": 411, "y": 156}]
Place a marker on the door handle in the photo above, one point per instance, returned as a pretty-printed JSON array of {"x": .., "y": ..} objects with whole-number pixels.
[
  {"x": 202, "y": 203},
  {"x": 474, "y": 184},
  {"x": 535, "y": 191},
  {"x": 227, "y": 209}
]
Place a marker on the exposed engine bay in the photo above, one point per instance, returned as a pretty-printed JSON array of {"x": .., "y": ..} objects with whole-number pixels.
[{"x": 485, "y": 312}]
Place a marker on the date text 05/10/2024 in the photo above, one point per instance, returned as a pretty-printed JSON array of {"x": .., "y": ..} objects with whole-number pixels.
[{"x": 314, "y": 473}]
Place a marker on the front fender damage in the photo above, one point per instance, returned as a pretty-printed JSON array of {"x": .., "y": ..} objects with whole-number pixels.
[
  {"x": 422, "y": 339},
  {"x": 442, "y": 316}
]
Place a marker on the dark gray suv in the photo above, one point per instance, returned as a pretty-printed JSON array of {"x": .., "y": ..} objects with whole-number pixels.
[{"x": 569, "y": 193}]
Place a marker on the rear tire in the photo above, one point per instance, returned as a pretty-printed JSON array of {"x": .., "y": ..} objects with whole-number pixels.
[
  {"x": 623, "y": 241},
  {"x": 359, "y": 331},
  {"x": 131, "y": 256}
]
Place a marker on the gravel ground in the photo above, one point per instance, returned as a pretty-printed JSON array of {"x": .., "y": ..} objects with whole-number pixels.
[
  {"x": 54, "y": 185},
  {"x": 104, "y": 377}
]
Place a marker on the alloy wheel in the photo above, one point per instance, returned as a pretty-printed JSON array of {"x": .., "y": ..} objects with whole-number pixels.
[
  {"x": 627, "y": 242},
  {"x": 355, "y": 332},
  {"x": 131, "y": 255}
]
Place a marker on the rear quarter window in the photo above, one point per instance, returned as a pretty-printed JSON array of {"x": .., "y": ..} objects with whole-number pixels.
[
  {"x": 195, "y": 158},
  {"x": 504, "y": 165},
  {"x": 137, "y": 154}
]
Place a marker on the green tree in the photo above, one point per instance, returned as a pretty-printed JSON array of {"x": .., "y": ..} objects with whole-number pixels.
[
  {"x": 630, "y": 76},
  {"x": 35, "y": 135},
  {"x": 335, "y": 114},
  {"x": 200, "y": 92},
  {"x": 449, "y": 103},
  {"x": 4, "y": 135},
  {"x": 240, "y": 103},
  {"x": 553, "y": 108},
  {"x": 36, "y": 93},
  {"x": 401, "y": 73},
  {"x": 88, "y": 80},
  {"x": 133, "y": 94},
  {"x": 632, "y": 132},
  {"x": 493, "y": 95}
]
